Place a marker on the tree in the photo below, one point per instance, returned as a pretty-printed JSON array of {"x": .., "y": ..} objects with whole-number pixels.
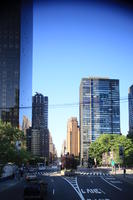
[
  {"x": 68, "y": 162},
  {"x": 8, "y": 137},
  {"x": 112, "y": 143}
]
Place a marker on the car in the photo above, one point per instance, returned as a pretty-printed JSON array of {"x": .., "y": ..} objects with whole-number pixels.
[
  {"x": 54, "y": 167},
  {"x": 30, "y": 176},
  {"x": 35, "y": 189},
  {"x": 41, "y": 166}
]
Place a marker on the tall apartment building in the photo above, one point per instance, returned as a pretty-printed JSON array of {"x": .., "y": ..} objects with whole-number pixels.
[
  {"x": 16, "y": 30},
  {"x": 130, "y": 106},
  {"x": 99, "y": 110},
  {"x": 38, "y": 135},
  {"x": 73, "y": 141},
  {"x": 39, "y": 111}
]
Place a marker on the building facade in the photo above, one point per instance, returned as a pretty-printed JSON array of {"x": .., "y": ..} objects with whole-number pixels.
[
  {"x": 16, "y": 28},
  {"x": 39, "y": 111},
  {"x": 52, "y": 150},
  {"x": 38, "y": 134},
  {"x": 130, "y": 107},
  {"x": 26, "y": 124},
  {"x": 99, "y": 110},
  {"x": 73, "y": 136},
  {"x": 64, "y": 148},
  {"x": 35, "y": 142}
]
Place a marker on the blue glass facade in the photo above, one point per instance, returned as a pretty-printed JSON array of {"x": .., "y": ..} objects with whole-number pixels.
[
  {"x": 26, "y": 59},
  {"x": 15, "y": 60},
  {"x": 99, "y": 110}
]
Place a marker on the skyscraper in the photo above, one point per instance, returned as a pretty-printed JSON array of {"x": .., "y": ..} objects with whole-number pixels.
[
  {"x": 25, "y": 124},
  {"x": 63, "y": 149},
  {"x": 40, "y": 111},
  {"x": 73, "y": 136},
  {"x": 16, "y": 27},
  {"x": 99, "y": 110},
  {"x": 130, "y": 106},
  {"x": 38, "y": 135}
]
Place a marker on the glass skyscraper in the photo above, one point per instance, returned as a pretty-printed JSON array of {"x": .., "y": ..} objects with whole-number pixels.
[
  {"x": 16, "y": 29},
  {"x": 99, "y": 110},
  {"x": 130, "y": 106}
]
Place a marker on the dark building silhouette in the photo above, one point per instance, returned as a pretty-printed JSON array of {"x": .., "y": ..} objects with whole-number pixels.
[
  {"x": 40, "y": 111},
  {"x": 16, "y": 27},
  {"x": 38, "y": 135}
]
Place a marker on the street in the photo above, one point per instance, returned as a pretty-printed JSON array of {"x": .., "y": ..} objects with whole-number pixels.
[{"x": 84, "y": 186}]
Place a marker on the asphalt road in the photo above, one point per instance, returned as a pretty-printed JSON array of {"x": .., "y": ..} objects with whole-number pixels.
[{"x": 80, "y": 187}]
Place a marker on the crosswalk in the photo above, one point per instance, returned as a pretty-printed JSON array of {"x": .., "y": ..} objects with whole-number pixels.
[
  {"x": 45, "y": 173},
  {"x": 92, "y": 173},
  {"x": 76, "y": 173}
]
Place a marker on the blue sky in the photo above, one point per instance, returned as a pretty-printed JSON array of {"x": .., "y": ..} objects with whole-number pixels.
[{"x": 72, "y": 41}]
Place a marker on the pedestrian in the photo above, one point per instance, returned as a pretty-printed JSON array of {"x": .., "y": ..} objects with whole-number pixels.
[{"x": 124, "y": 172}]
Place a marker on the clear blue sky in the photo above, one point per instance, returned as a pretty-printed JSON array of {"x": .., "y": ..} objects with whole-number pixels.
[{"x": 72, "y": 41}]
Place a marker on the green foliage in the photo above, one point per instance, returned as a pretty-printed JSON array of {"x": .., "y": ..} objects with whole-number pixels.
[
  {"x": 111, "y": 143},
  {"x": 69, "y": 162},
  {"x": 8, "y": 137}
]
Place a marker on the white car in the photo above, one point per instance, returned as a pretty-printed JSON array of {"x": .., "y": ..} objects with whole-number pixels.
[
  {"x": 31, "y": 176},
  {"x": 54, "y": 167},
  {"x": 41, "y": 166}
]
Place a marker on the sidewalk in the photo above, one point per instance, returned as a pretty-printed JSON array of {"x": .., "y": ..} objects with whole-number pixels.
[{"x": 8, "y": 183}]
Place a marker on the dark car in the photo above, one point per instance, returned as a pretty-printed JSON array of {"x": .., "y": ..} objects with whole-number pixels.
[{"x": 35, "y": 189}]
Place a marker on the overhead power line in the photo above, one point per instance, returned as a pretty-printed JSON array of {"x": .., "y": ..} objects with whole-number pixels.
[{"x": 75, "y": 104}]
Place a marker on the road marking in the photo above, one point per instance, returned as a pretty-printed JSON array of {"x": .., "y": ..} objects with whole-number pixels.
[
  {"x": 115, "y": 181},
  {"x": 83, "y": 191},
  {"x": 111, "y": 184},
  {"x": 102, "y": 191},
  {"x": 53, "y": 191},
  {"x": 92, "y": 191},
  {"x": 111, "y": 178},
  {"x": 75, "y": 186},
  {"x": 98, "y": 199}
]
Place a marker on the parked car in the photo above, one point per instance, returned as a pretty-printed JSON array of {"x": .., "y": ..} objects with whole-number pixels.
[
  {"x": 9, "y": 170},
  {"x": 35, "y": 189}
]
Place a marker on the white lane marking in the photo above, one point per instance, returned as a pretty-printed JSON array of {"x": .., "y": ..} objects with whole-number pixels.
[
  {"x": 111, "y": 178},
  {"x": 53, "y": 191},
  {"x": 77, "y": 190},
  {"x": 115, "y": 181},
  {"x": 83, "y": 191},
  {"x": 92, "y": 191},
  {"x": 102, "y": 191},
  {"x": 99, "y": 199},
  {"x": 111, "y": 184}
]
